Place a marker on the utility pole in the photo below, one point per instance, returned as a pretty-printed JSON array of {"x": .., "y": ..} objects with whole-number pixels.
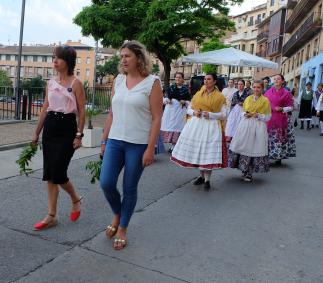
[
  {"x": 17, "y": 84},
  {"x": 95, "y": 63}
]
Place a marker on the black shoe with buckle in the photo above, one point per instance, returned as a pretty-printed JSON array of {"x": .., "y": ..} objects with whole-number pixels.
[
  {"x": 199, "y": 181},
  {"x": 207, "y": 186}
]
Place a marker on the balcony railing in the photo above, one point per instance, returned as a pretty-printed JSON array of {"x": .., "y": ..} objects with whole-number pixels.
[
  {"x": 262, "y": 36},
  {"x": 262, "y": 54},
  {"x": 308, "y": 29},
  {"x": 258, "y": 21},
  {"x": 299, "y": 12},
  {"x": 291, "y": 4}
]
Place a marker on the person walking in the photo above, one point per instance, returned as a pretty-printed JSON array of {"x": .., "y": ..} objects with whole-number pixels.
[
  {"x": 62, "y": 134},
  {"x": 280, "y": 134},
  {"x": 236, "y": 109},
  {"x": 315, "y": 120},
  {"x": 266, "y": 81},
  {"x": 130, "y": 134},
  {"x": 305, "y": 102},
  {"x": 319, "y": 112},
  {"x": 249, "y": 146},
  {"x": 248, "y": 87},
  {"x": 228, "y": 92},
  {"x": 174, "y": 116},
  {"x": 201, "y": 143}
]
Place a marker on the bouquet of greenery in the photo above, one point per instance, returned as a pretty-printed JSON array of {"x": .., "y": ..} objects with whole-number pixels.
[
  {"x": 25, "y": 156},
  {"x": 95, "y": 169}
]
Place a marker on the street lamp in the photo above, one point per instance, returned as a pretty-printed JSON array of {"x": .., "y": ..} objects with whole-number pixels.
[{"x": 17, "y": 84}]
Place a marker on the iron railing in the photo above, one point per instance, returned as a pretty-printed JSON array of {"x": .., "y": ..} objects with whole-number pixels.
[
  {"x": 299, "y": 12},
  {"x": 262, "y": 36},
  {"x": 308, "y": 29},
  {"x": 32, "y": 100}
]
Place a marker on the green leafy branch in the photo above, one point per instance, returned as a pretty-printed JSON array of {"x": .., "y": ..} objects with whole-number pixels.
[
  {"x": 25, "y": 156},
  {"x": 95, "y": 170}
]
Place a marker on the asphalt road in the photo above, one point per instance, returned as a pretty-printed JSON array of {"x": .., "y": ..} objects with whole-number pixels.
[{"x": 268, "y": 231}]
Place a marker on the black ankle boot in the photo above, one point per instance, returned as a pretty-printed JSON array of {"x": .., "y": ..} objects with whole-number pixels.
[
  {"x": 308, "y": 125},
  {"x": 302, "y": 125}
]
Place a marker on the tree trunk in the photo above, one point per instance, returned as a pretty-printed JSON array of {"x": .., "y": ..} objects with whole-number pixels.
[{"x": 167, "y": 69}]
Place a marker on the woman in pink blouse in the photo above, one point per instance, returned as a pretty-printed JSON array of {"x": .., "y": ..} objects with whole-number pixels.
[{"x": 62, "y": 134}]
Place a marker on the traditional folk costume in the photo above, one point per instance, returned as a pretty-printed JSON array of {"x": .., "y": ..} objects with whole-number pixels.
[
  {"x": 235, "y": 113},
  {"x": 280, "y": 128},
  {"x": 305, "y": 110},
  {"x": 316, "y": 97},
  {"x": 174, "y": 116},
  {"x": 228, "y": 93},
  {"x": 249, "y": 146},
  {"x": 319, "y": 108},
  {"x": 201, "y": 143}
]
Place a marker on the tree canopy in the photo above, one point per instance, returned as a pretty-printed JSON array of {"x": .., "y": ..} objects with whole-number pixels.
[
  {"x": 109, "y": 68},
  {"x": 213, "y": 44},
  {"x": 5, "y": 79},
  {"x": 160, "y": 25}
]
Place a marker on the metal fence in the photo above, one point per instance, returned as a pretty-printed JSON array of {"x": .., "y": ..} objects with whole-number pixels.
[{"x": 32, "y": 100}]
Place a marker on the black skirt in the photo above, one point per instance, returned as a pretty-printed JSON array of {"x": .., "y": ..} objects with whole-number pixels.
[
  {"x": 58, "y": 136},
  {"x": 321, "y": 116},
  {"x": 305, "y": 111}
]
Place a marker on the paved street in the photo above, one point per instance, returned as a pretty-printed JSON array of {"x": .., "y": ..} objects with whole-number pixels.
[{"x": 268, "y": 231}]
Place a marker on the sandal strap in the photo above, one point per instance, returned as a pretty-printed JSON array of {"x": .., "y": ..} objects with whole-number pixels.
[
  {"x": 119, "y": 240},
  {"x": 51, "y": 215},
  {"x": 79, "y": 200},
  {"x": 111, "y": 228}
]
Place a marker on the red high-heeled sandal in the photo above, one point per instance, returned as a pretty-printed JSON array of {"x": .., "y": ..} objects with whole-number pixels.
[
  {"x": 76, "y": 214},
  {"x": 45, "y": 225}
]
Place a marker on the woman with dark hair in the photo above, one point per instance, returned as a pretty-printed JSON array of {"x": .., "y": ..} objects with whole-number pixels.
[
  {"x": 130, "y": 134},
  {"x": 249, "y": 147},
  {"x": 236, "y": 110},
  {"x": 173, "y": 120},
  {"x": 201, "y": 143},
  {"x": 62, "y": 134},
  {"x": 248, "y": 87},
  {"x": 280, "y": 129}
]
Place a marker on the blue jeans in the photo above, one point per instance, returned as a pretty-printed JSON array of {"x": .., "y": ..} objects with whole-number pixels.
[{"x": 119, "y": 154}]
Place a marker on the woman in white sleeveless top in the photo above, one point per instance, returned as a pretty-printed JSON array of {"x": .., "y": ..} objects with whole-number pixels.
[{"x": 130, "y": 135}]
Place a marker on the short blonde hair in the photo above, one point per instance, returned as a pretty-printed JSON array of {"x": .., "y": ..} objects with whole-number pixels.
[{"x": 141, "y": 53}]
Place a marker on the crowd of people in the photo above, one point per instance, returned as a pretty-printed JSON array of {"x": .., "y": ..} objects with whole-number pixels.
[{"x": 244, "y": 127}]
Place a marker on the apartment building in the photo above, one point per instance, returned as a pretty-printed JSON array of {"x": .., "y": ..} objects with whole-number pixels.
[
  {"x": 270, "y": 41},
  {"x": 37, "y": 61},
  {"x": 187, "y": 68},
  {"x": 303, "y": 43},
  {"x": 245, "y": 38}
]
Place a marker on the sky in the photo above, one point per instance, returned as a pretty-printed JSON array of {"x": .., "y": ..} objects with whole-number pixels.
[{"x": 51, "y": 21}]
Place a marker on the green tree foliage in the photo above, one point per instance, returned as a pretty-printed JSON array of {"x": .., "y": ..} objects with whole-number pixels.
[
  {"x": 35, "y": 86},
  {"x": 213, "y": 44},
  {"x": 109, "y": 68},
  {"x": 155, "y": 69},
  {"x": 112, "y": 65},
  {"x": 5, "y": 79},
  {"x": 160, "y": 25}
]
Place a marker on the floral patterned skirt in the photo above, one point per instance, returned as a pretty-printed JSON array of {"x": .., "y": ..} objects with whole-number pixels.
[
  {"x": 282, "y": 146},
  {"x": 248, "y": 164}
]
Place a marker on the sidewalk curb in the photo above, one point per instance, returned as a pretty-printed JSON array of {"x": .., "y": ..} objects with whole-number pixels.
[
  {"x": 13, "y": 145},
  {"x": 8, "y": 122}
]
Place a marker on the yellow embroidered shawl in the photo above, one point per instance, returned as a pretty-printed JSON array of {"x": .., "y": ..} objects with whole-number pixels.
[
  {"x": 208, "y": 102},
  {"x": 261, "y": 105}
]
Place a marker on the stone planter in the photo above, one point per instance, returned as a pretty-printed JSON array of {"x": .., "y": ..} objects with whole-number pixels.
[{"x": 92, "y": 137}]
